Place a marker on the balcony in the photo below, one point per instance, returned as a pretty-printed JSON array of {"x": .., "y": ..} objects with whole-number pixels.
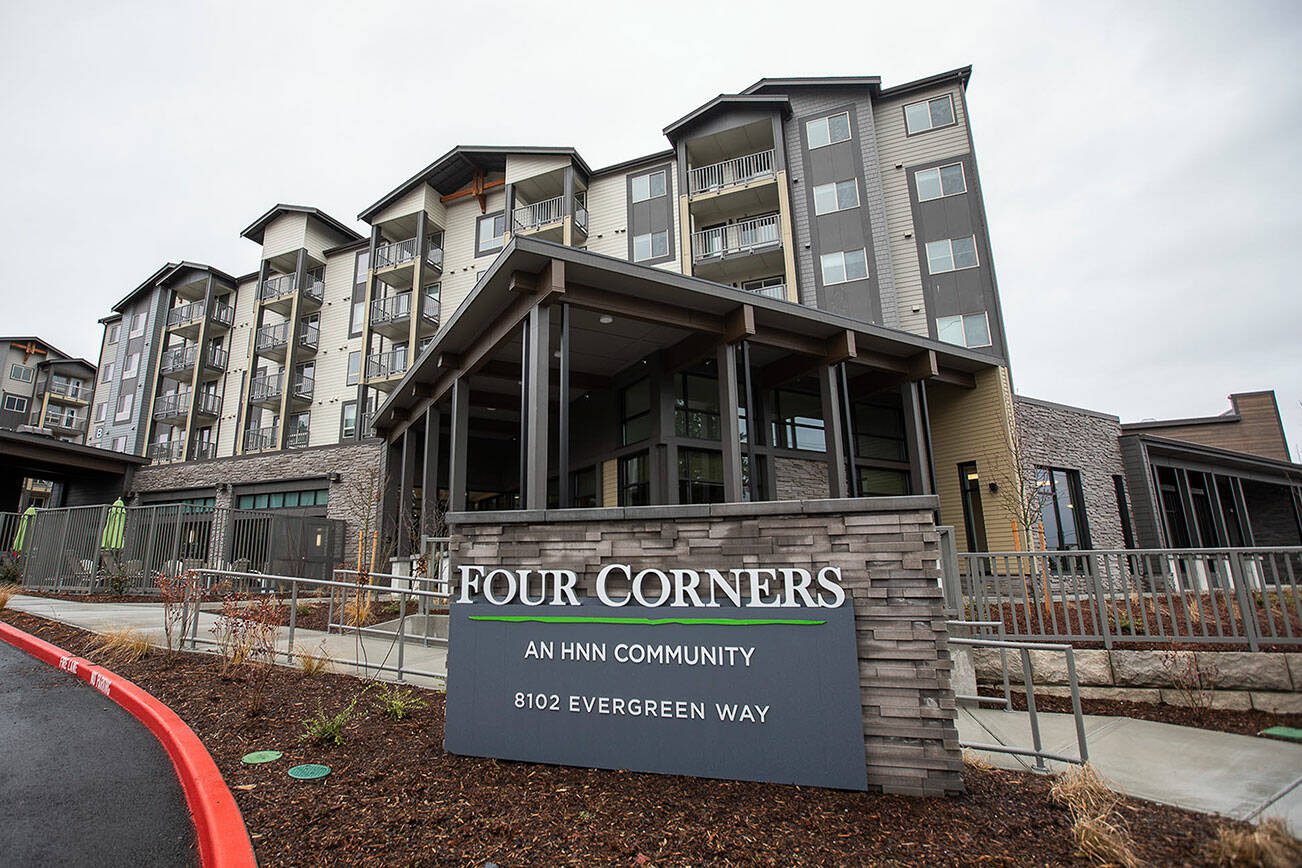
[
  {"x": 260, "y": 439},
  {"x": 769, "y": 288},
  {"x": 278, "y": 293},
  {"x": 309, "y": 336},
  {"x": 214, "y": 363},
  {"x": 166, "y": 451},
  {"x": 395, "y": 262},
  {"x": 177, "y": 363},
  {"x": 297, "y": 439},
  {"x": 64, "y": 422},
  {"x": 528, "y": 218},
  {"x": 172, "y": 406},
  {"x": 203, "y": 450},
  {"x": 386, "y": 367},
  {"x": 265, "y": 390},
  {"x": 272, "y": 341},
  {"x": 208, "y": 404},
  {"x": 301, "y": 389},
  {"x": 737, "y": 172},
  {"x": 740, "y": 250},
  {"x": 69, "y": 391}
]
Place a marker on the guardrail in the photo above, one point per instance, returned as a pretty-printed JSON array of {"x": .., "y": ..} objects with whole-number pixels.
[
  {"x": 540, "y": 213},
  {"x": 76, "y": 390},
  {"x": 269, "y": 337},
  {"x": 395, "y": 307},
  {"x": 741, "y": 237},
  {"x": 260, "y": 439},
  {"x": 738, "y": 170},
  {"x": 1247, "y": 596},
  {"x": 380, "y": 365}
]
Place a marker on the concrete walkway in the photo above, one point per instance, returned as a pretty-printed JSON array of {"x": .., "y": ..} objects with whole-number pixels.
[
  {"x": 1239, "y": 776},
  {"x": 82, "y": 782},
  {"x": 351, "y": 654}
]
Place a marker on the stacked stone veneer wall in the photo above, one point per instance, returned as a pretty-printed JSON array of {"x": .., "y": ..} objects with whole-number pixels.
[
  {"x": 359, "y": 466},
  {"x": 1263, "y": 680},
  {"x": 800, "y": 479},
  {"x": 887, "y": 551},
  {"x": 1054, "y": 435}
]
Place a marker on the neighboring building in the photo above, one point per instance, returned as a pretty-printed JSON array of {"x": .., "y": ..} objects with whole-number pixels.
[{"x": 43, "y": 387}]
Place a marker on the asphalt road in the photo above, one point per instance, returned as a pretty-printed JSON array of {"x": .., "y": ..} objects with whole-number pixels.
[{"x": 82, "y": 782}]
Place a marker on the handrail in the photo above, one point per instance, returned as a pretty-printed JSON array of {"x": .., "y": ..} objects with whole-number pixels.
[
  {"x": 167, "y": 450},
  {"x": 395, "y": 253},
  {"x": 74, "y": 389},
  {"x": 276, "y": 287},
  {"x": 309, "y": 335},
  {"x": 272, "y": 336},
  {"x": 386, "y": 364},
  {"x": 64, "y": 422},
  {"x": 208, "y": 403},
  {"x": 185, "y": 314},
  {"x": 259, "y": 439},
  {"x": 539, "y": 213},
  {"x": 264, "y": 387},
  {"x": 178, "y": 358},
  {"x": 741, "y": 237},
  {"x": 391, "y": 309},
  {"x": 171, "y": 404},
  {"x": 217, "y": 358},
  {"x": 581, "y": 211},
  {"x": 728, "y": 173}
]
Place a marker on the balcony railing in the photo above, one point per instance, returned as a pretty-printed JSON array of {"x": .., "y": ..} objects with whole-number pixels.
[
  {"x": 395, "y": 253},
  {"x": 773, "y": 290},
  {"x": 172, "y": 404},
  {"x": 742, "y": 237},
  {"x": 391, "y": 309},
  {"x": 434, "y": 257},
  {"x": 167, "y": 450},
  {"x": 738, "y": 170},
  {"x": 75, "y": 390},
  {"x": 303, "y": 386},
  {"x": 259, "y": 439},
  {"x": 204, "y": 449},
  {"x": 265, "y": 387},
  {"x": 309, "y": 335},
  {"x": 217, "y": 358},
  {"x": 64, "y": 421},
  {"x": 208, "y": 404},
  {"x": 179, "y": 359},
  {"x": 185, "y": 314},
  {"x": 272, "y": 337},
  {"x": 282, "y": 286},
  {"x": 381, "y": 365},
  {"x": 540, "y": 213},
  {"x": 581, "y": 211},
  {"x": 296, "y": 439},
  {"x": 223, "y": 314}
]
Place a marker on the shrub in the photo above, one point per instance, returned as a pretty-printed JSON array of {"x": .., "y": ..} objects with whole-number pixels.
[
  {"x": 304, "y": 609},
  {"x": 312, "y": 663},
  {"x": 1102, "y": 841},
  {"x": 399, "y": 702},
  {"x": 10, "y": 572},
  {"x": 1081, "y": 791},
  {"x": 976, "y": 761},
  {"x": 329, "y": 729},
  {"x": 357, "y": 609},
  {"x": 122, "y": 646},
  {"x": 6, "y": 593},
  {"x": 177, "y": 594},
  {"x": 1269, "y": 845}
]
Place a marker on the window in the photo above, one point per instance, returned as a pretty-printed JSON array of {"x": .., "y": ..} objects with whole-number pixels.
[
  {"x": 974, "y": 519},
  {"x": 119, "y": 444},
  {"x": 836, "y": 196},
  {"x": 583, "y": 488},
  {"x": 137, "y": 325},
  {"x": 798, "y": 421},
  {"x": 635, "y": 412},
  {"x": 844, "y": 266},
  {"x": 1123, "y": 511},
  {"x": 700, "y": 476},
  {"x": 489, "y": 232},
  {"x": 940, "y": 181},
  {"x": 879, "y": 429},
  {"x": 125, "y": 405},
  {"x": 111, "y": 333},
  {"x": 15, "y": 404},
  {"x": 649, "y": 186},
  {"x": 696, "y": 406},
  {"x": 348, "y": 421},
  {"x": 967, "y": 330},
  {"x": 951, "y": 254},
  {"x": 106, "y": 372},
  {"x": 284, "y": 499},
  {"x": 1062, "y": 509},
  {"x": 354, "y": 368},
  {"x": 634, "y": 480},
  {"x": 132, "y": 367},
  {"x": 101, "y": 412},
  {"x": 652, "y": 245},
  {"x": 22, "y": 373},
  {"x": 828, "y": 131},
  {"x": 880, "y": 482},
  {"x": 929, "y": 114}
]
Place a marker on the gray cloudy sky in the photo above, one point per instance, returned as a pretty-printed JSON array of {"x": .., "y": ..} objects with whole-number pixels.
[{"x": 1139, "y": 160}]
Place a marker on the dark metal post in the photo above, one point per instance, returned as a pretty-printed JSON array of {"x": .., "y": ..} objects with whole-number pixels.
[
  {"x": 847, "y": 424},
  {"x": 524, "y": 411},
  {"x": 831, "y": 404},
  {"x": 752, "y": 424},
  {"x": 538, "y": 391},
  {"x": 460, "y": 441},
  {"x": 729, "y": 435},
  {"x": 563, "y": 447},
  {"x": 429, "y": 487}
]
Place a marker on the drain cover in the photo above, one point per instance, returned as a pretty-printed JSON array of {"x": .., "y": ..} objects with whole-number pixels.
[
  {"x": 309, "y": 772},
  {"x": 261, "y": 756}
]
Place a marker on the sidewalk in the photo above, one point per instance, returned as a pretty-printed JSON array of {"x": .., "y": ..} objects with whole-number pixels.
[
  {"x": 1238, "y": 776},
  {"x": 353, "y": 655}
]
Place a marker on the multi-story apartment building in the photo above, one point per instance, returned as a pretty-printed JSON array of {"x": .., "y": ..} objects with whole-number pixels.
[
  {"x": 833, "y": 194},
  {"x": 45, "y": 388}
]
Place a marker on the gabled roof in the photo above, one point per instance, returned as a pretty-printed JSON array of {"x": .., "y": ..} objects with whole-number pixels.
[
  {"x": 769, "y": 85},
  {"x": 254, "y": 231},
  {"x": 452, "y": 171},
  {"x": 725, "y": 102},
  {"x": 148, "y": 283},
  {"x": 79, "y": 362},
  {"x": 29, "y": 339},
  {"x": 961, "y": 75},
  {"x": 197, "y": 266}
]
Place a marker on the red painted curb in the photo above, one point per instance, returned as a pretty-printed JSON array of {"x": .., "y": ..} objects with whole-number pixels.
[{"x": 219, "y": 826}]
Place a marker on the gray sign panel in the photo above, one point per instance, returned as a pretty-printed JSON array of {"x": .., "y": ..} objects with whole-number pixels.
[{"x": 761, "y": 694}]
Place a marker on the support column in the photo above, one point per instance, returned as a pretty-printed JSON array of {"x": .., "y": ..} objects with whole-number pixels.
[
  {"x": 753, "y": 426},
  {"x": 847, "y": 426},
  {"x": 563, "y": 488},
  {"x": 458, "y": 445},
  {"x": 391, "y": 485},
  {"x": 403, "y": 527},
  {"x": 917, "y": 441},
  {"x": 829, "y": 397},
  {"x": 429, "y": 486},
  {"x": 729, "y": 436},
  {"x": 538, "y": 387}
]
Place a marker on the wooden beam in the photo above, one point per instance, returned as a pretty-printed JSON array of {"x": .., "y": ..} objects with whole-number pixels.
[
  {"x": 689, "y": 351},
  {"x": 923, "y": 366},
  {"x": 448, "y": 361},
  {"x": 739, "y": 324},
  {"x": 840, "y": 348},
  {"x": 791, "y": 342},
  {"x": 643, "y": 310},
  {"x": 956, "y": 378},
  {"x": 469, "y": 190},
  {"x": 522, "y": 281}
]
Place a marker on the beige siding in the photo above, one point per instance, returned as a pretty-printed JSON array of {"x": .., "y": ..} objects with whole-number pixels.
[
  {"x": 319, "y": 239},
  {"x": 895, "y": 147},
  {"x": 608, "y": 215},
  {"x": 237, "y": 345},
  {"x": 286, "y": 233},
  {"x": 460, "y": 264},
  {"x": 411, "y": 202},
  {"x": 520, "y": 166},
  {"x": 610, "y": 483},
  {"x": 332, "y": 352}
]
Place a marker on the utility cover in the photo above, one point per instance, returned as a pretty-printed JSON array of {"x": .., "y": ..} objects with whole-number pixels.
[
  {"x": 261, "y": 756},
  {"x": 1285, "y": 732},
  {"x": 309, "y": 772}
]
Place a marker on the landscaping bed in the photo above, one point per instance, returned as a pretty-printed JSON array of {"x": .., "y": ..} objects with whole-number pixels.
[
  {"x": 395, "y": 797},
  {"x": 1242, "y": 722}
]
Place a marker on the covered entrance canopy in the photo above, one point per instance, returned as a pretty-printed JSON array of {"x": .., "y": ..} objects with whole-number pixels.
[
  {"x": 82, "y": 474},
  {"x": 570, "y": 379}
]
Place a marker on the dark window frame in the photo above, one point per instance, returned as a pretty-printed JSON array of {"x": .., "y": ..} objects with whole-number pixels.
[{"x": 489, "y": 251}]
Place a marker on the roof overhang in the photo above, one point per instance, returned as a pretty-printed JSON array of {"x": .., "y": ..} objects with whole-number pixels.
[
  {"x": 46, "y": 454},
  {"x": 255, "y": 230},
  {"x": 180, "y": 268},
  {"x": 1218, "y": 460},
  {"x": 725, "y": 103}
]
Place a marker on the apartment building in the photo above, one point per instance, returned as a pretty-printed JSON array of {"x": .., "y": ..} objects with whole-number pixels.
[
  {"x": 44, "y": 388},
  {"x": 834, "y": 195}
]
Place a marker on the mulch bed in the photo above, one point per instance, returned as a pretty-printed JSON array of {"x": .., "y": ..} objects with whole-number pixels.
[
  {"x": 1246, "y": 722},
  {"x": 395, "y": 797}
]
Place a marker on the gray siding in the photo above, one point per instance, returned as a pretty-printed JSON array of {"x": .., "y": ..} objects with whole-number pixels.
[{"x": 653, "y": 215}]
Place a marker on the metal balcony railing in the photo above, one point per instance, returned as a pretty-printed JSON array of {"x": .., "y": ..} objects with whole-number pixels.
[
  {"x": 185, "y": 314},
  {"x": 743, "y": 237},
  {"x": 172, "y": 404},
  {"x": 75, "y": 390},
  {"x": 178, "y": 359},
  {"x": 167, "y": 450},
  {"x": 297, "y": 439},
  {"x": 540, "y": 213},
  {"x": 259, "y": 439},
  {"x": 223, "y": 314},
  {"x": 381, "y": 365},
  {"x": 434, "y": 257},
  {"x": 265, "y": 387},
  {"x": 581, "y": 211},
  {"x": 391, "y": 309},
  {"x": 64, "y": 421},
  {"x": 774, "y": 290},
  {"x": 738, "y": 170},
  {"x": 204, "y": 449},
  {"x": 309, "y": 335},
  {"x": 314, "y": 283},
  {"x": 217, "y": 358},
  {"x": 395, "y": 253},
  {"x": 208, "y": 404},
  {"x": 271, "y": 337},
  {"x": 277, "y": 287},
  {"x": 303, "y": 387}
]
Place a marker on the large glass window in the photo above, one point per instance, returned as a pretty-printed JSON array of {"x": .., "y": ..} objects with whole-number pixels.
[
  {"x": 635, "y": 412},
  {"x": 284, "y": 499},
  {"x": 358, "y": 314},
  {"x": 700, "y": 476},
  {"x": 940, "y": 181},
  {"x": 965, "y": 330},
  {"x": 652, "y": 245},
  {"x": 22, "y": 373},
  {"x": 951, "y": 254},
  {"x": 1062, "y": 509},
  {"x": 974, "y": 519},
  {"x": 828, "y": 130},
  {"x": 490, "y": 232},
  {"x": 137, "y": 325},
  {"x": 111, "y": 336},
  {"x": 882, "y": 482},
  {"x": 15, "y": 404},
  {"x": 583, "y": 487},
  {"x": 126, "y": 403},
  {"x": 844, "y": 266},
  {"x": 696, "y": 406},
  {"x": 649, "y": 186},
  {"x": 634, "y": 480},
  {"x": 798, "y": 421},
  {"x": 348, "y": 421},
  {"x": 836, "y": 196},
  {"x": 879, "y": 429},
  {"x": 354, "y": 368},
  {"x": 929, "y": 114}
]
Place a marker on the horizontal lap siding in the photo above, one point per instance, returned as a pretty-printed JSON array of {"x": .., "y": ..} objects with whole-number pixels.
[
  {"x": 895, "y": 146},
  {"x": 284, "y": 234},
  {"x": 460, "y": 264},
  {"x": 332, "y": 351},
  {"x": 519, "y": 167},
  {"x": 237, "y": 345},
  {"x": 608, "y": 215}
]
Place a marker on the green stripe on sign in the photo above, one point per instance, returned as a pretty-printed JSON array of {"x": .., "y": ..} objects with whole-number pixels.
[{"x": 650, "y": 622}]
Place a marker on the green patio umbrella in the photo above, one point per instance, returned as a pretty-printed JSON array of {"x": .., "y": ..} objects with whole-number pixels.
[
  {"x": 22, "y": 528},
  {"x": 115, "y": 527}
]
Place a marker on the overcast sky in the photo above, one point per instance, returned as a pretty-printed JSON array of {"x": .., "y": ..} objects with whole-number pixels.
[{"x": 1139, "y": 160}]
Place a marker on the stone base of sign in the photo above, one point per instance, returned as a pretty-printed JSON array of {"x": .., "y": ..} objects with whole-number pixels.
[{"x": 887, "y": 551}]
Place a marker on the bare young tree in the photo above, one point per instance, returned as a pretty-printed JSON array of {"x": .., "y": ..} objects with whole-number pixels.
[{"x": 1019, "y": 487}]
